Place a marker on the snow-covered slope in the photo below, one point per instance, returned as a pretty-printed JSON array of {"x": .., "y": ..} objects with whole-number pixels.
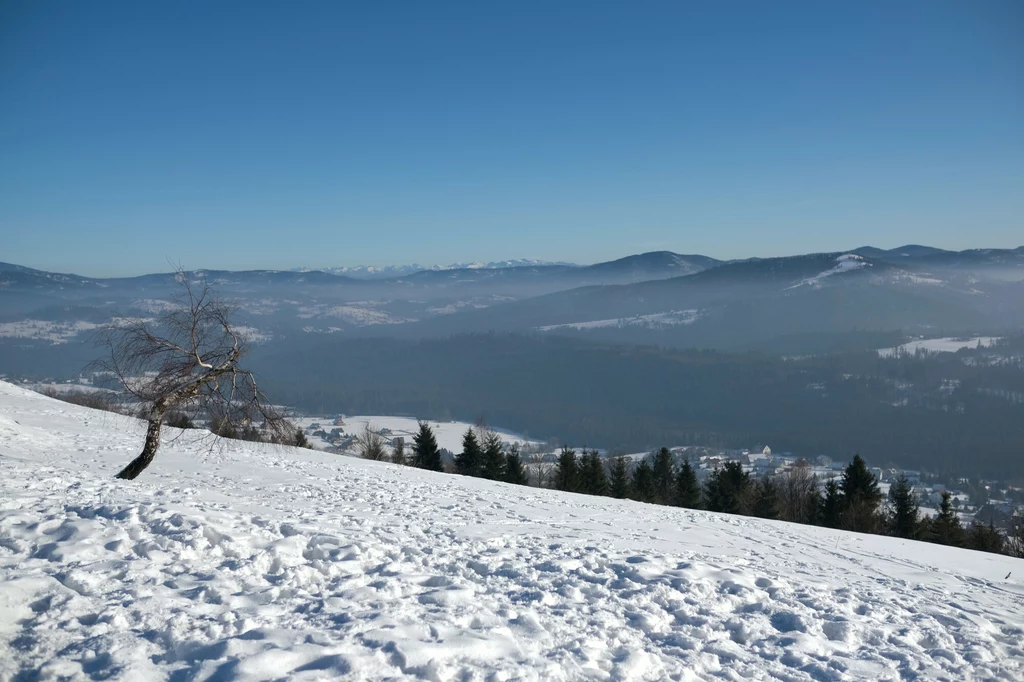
[{"x": 247, "y": 562}]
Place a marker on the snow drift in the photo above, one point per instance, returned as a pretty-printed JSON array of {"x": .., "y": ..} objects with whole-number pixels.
[{"x": 251, "y": 562}]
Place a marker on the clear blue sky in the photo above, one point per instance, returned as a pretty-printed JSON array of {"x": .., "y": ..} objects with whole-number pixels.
[{"x": 274, "y": 134}]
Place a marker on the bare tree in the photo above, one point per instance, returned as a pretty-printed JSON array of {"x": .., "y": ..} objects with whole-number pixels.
[
  {"x": 798, "y": 494},
  {"x": 1014, "y": 545},
  {"x": 186, "y": 359},
  {"x": 370, "y": 444},
  {"x": 540, "y": 472},
  {"x": 398, "y": 451}
]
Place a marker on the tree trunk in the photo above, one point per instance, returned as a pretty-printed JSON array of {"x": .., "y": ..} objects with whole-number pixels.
[{"x": 139, "y": 464}]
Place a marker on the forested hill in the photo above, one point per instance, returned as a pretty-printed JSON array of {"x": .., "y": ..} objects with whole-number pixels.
[{"x": 950, "y": 412}]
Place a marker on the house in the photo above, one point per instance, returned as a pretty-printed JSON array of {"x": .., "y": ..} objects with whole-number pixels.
[
  {"x": 999, "y": 513},
  {"x": 339, "y": 420}
]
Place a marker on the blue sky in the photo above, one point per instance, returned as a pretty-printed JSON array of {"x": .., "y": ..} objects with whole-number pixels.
[{"x": 252, "y": 134}]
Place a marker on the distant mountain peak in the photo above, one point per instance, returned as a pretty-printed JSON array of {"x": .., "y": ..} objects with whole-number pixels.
[{"x": 386, "y": 271}]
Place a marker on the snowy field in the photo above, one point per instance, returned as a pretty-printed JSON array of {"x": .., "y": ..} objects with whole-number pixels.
[
  {"x": 46, "y": 330},
  {"x": 845, "y": 263},
  {"x": 251, "y": 562},
  {"x": 944, "y": 345},
  {"x": 653, "y": 321},
  {"x": 448, "y": 434}
]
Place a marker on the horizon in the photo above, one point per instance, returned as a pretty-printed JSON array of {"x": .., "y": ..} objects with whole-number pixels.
[
  {"x": 85, "y": 272},
  {"x": 262, "y": 137}
]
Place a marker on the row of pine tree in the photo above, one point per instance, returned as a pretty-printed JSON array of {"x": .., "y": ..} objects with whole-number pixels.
[
  {"x": 483, "y": 457},
  {"x": 854, "y": 502}
]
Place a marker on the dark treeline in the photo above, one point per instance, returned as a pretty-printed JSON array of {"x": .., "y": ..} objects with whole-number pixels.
[
  {"x": 950, "y": 413},
  {"x": 853, "y": 502},
  {"x": 483, "y": 455}
]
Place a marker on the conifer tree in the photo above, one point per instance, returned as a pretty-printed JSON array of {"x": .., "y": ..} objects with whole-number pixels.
[
  {"x": 643, "y": 482},
  {"x": 398, "y": 452},
  {"x": 945, "y": 527},
  {"x": 727, "y": 489},
  {"x": 515, "y": 472},
  {"x": 493, "y": 463},
  {"x": 687, "y": 488},
  {"x": 593, "y": 479},
  {"x": 468, "y": 461},
  {"x": 664, "y": 477},
  {"x": 766, "y": 499},
  {"x": 567, "y": 470},
  {"x": 984, "y": 538},
  {"x": 832, "y": 505},
  {"x": 619, "y": 479},
  {"x": 861, "y": 497},
  {"x": 903, "y": 513},
  {"x": 426, "y": 454},
  {"x": 815, "y": 506}
]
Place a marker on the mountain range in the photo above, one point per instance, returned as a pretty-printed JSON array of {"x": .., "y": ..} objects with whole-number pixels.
[
  {"x": 662, "y": 298},
  {"x": 388, "y": 271}
]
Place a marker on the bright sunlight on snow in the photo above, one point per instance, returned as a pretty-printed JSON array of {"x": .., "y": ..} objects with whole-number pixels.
[{"x": 253, "y": 562}]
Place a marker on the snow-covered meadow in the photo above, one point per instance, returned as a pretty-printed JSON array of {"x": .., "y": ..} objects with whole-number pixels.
[
  {"x": 653, "y": 321},
  {"x": 256, "y": 562},
  {"x": 448, "y": 433},
  {"x": 943, "y": 345}
]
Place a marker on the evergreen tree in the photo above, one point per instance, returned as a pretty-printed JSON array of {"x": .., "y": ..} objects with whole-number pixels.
[
  {"x": 815, "y": 505},
  {"x": 984, "y": 538},
  {"x": 619, "y": 479},
  {"x": 687, "y": 488},
  {"x": 593, "y": 479},
  {"x": 945, "y": 527},
  {"x": 469, "y": 460},
  {"x": 493, "y": 464},
  {"x": 398, "y": 452},
  {"x": 832, "y": 505},
  {"x": 567, "y": 470},
  {"x": 426, "y": 454},
  {"x": 861, "y": 497},
  {"x": 904, "y": 513},
  {"x": 727, "y": 489},
  {"x": 766, "y": 499},
  {"x": 664, "y": 477},
  {"x": 515, "y": 472},
  {"x": 299, "y": 440},
  {"x": 643, "y": 482}
]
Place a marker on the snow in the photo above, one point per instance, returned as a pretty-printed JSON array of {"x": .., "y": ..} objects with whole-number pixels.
[
  {"x": 943, "y": 345},
  {"x": 845, "y": 263},
  {"x": 353, "y": 314},
  {"x": 448, "y": 434},
  {"x": 255, "y": 562},
  {"x": 46, "y": 330},
  {"x": 653, "y": 320}
]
